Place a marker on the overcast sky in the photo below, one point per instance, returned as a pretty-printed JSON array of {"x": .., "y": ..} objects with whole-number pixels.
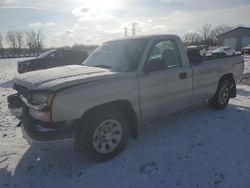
[{"x": 95, "y": 21}]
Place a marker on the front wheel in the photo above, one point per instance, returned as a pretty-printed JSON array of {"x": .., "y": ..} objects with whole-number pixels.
[
  {"x": 222, "y": 95},
  {"x": 103, "y": 134}
]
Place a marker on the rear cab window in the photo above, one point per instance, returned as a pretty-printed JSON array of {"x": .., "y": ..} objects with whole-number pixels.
[{"x": 168, "y": 51}]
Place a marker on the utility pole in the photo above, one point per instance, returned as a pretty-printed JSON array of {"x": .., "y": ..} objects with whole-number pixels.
[
  {"x": 125, "y": 31},
  {"x": 74, "y": 38},
  {"x": 134, "y": 28}
]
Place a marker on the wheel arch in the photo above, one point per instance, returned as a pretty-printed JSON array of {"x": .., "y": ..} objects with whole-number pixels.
[{"x": 126, "y": 107}]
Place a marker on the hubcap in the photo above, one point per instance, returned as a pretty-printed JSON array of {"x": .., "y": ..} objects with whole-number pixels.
[
  {"x": 224, "y": 94},
  {"x": 107, "y": 136}
]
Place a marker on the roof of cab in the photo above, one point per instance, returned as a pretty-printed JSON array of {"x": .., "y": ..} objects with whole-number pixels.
[{"x": 139, "y": 37}]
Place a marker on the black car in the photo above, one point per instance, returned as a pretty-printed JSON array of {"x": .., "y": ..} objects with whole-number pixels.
[{"x": 52, "y": 58}]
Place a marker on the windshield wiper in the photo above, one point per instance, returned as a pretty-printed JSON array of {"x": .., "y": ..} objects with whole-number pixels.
[
  {"x": 103, "y": 66},
  {"x": 119, "y": 69}
]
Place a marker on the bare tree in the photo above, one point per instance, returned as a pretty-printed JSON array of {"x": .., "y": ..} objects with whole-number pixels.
[
  {"x": 1, "y": 41},
  {"x": 87, "y": 48},
  {"x": 39, "y": 39},
  {"x": 30, "y": 39},
  {"x": 11, "y": 40},
  {"x": 192, "y": 38},
  {"x": 34, "y": 40},
  {"x": 1, "y": 44},
  {"x": 20, "y": 39},
  {"x": 220, "y": 29},
  {"x": 206, "y": 33}
]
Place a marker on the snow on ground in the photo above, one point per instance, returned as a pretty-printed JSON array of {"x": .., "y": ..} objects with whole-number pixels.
[{"x": 200, "y": 148}]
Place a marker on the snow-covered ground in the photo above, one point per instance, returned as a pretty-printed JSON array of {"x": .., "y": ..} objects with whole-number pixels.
[{"x": 201, "y": 148}]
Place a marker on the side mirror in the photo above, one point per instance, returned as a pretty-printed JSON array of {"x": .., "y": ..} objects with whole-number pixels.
[{"x": 156, "y": 64}]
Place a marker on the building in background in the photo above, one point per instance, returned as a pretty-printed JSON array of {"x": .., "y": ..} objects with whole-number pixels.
[{"x": 237, "y": 38}]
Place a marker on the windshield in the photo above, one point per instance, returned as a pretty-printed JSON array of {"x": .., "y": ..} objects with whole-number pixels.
[
  {"x": 117, "y": 55},
  {"x": 45, "y": 54}
]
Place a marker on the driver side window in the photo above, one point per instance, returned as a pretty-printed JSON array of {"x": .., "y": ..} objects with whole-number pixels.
[
  {"x": 56, "y": 55},
  {"x": 167, "y": 52}
]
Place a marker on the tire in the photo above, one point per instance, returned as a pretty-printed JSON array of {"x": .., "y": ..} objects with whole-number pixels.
[
  {"x": 103, "y": 134},
  {"x": 222, "y": 95}
]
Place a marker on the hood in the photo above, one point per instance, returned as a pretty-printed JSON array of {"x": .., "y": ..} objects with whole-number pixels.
[
  {"x": 60, "y": 77},
  {"x": 29, "y": 60}
]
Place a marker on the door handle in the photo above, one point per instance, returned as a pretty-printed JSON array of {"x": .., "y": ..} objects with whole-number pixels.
[{"x": 183, "y": 75}]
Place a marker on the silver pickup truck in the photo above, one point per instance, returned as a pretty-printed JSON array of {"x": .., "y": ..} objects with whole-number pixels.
[{"x": 121, "y": 85}]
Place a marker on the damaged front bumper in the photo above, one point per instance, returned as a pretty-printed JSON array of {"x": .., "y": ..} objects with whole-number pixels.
[
  {"x": 15, "y": 105},
  {"x": 43, "y": 144},
  {"x": 41, "y": 134},
  {"x": 44, "y": 135}
]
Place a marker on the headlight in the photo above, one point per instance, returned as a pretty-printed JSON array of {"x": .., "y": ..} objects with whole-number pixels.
[
  {"x": 39, "y": 102},
  {"x": 23, "y": 64},
  {"x": 41, "y": 99}
]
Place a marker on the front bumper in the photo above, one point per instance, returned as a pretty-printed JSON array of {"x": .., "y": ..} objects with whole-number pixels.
[
  {"x": 47, "y": 144},
  {"x": 15, "y": 105},
  {"x": 44, "y": 132},
  {"x": 37, "y": 132}
]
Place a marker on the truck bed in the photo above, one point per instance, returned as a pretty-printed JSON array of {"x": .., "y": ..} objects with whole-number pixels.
[
  {"x": 207, "y": 74},
  {"x": 207, "y": 58}
]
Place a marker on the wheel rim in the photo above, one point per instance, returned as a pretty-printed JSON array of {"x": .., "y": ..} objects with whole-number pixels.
[
  {"x": 107, "y": 136},
  {"x": 224, "y": 94}
]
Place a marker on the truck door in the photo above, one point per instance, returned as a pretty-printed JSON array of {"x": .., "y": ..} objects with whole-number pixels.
[{"x": 167, "y": 87}]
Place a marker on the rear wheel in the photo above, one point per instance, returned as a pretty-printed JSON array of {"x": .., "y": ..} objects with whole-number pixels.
[
  {"x": 103, "y": 134},
  {"x": 222, "y": 95}
]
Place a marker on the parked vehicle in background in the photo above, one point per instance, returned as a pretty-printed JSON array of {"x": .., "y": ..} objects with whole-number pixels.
[
  {"x": 18, "y": 55},
  {"x": 246, "y": 50},
  {"x": 52, "y": 58},
  {"x": 202, "y": 49},
  {"x": 121, "y": 85},
  {"x": 223, "y": 51}
]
